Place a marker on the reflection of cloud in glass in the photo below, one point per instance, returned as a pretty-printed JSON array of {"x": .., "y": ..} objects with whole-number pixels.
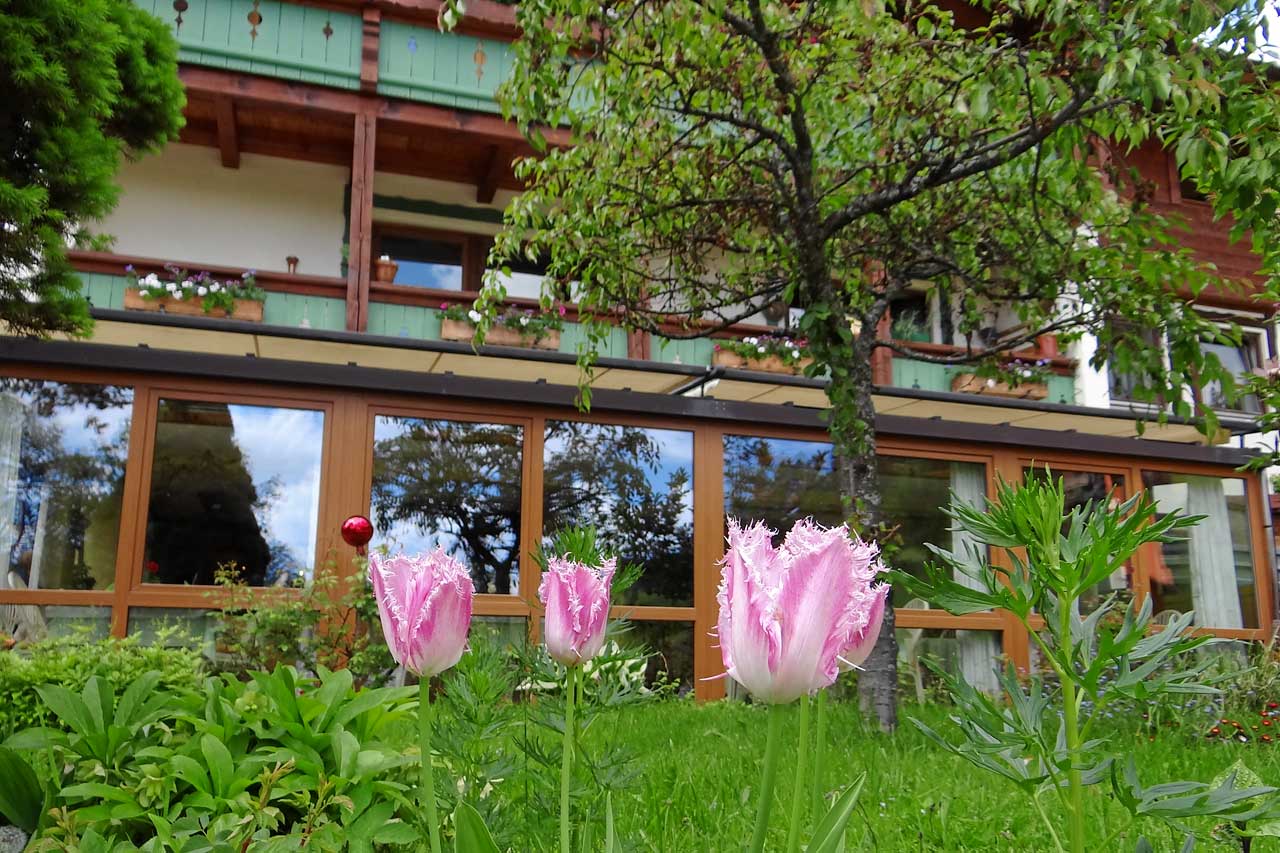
[
  {"x": 674, "y": 454},
  {"x": 282, "y": 450},
  {"x": 425, "y": 274},
  {"x": 84, "y": 429}
]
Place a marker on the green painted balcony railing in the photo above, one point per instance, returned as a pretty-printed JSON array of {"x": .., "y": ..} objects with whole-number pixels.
[
  {"x": 937, "y": 377},
  {"x": 268, "y": 37},
  {"x": 280, "y": 309},
  {"x": 442, "y": 68},
  {"x": 419, "y": 323}
]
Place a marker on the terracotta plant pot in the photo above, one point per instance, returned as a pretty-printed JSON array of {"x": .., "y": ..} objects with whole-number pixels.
[
  {"x": 765, "y": 364},
  {"x": 385, "y": 271},
  {"x": 249, "y": 310},
  {"x": 460, "y": 330},
  {"x": 968, "y": 383}
]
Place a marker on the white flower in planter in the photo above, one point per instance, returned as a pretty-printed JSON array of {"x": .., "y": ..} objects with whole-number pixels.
[
  {"x": 202, "y": 291},
  {"x": 524, "y": 321},
  {"x": 152, "y": 280},
  {"x": 761, "y": 350},
  {"x": 170, "y": 286},
  {"x": 475, "y": 316},
  {"x": 215, "y": 288}
]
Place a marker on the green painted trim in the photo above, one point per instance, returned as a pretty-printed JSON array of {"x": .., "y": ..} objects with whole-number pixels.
[
  {"x": 455, "y": 90},
  {"x": 435, "y": 208},
  {"x": 267, "y": 60}
]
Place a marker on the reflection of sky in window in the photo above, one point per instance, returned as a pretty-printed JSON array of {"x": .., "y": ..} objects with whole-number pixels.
[
  {"x": 425, "y": 274},
  {"x": 282, "y": 451},
  {"x": 85, "y": 429},
  {"x": 404, "y": 535},
  {"x": 675, "y": 453}
]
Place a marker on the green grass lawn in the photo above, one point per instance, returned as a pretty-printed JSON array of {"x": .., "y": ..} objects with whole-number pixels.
[{"x": 699, "y": 769}]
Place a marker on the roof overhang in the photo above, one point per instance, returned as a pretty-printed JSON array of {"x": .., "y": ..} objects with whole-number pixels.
[{"x": 195, "y": 346}]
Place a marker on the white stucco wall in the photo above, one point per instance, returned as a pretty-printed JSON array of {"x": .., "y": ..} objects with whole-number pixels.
[{"x": 182, "y": 205}]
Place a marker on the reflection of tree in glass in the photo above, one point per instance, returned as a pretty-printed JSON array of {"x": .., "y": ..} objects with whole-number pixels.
[
  {"x": 458, "y": 481},
  {"x": 612, "y": 477},
  {"x": 204, "y": 506},
  {"x": 68, "y": 498},
  {"x": 780, "y": 482}
]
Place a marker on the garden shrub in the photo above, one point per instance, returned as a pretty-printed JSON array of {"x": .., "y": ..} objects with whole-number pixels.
[{"x": 70, "y": 661}]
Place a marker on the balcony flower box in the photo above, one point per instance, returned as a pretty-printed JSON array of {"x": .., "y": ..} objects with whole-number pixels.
[
  {"x": 499, "y": 336},
  {"x": 766, "y": 354},
  {"x": 763, "y": 364},
  {"x": 195, "y": 294},
  {"x": 969, "y": 383}
]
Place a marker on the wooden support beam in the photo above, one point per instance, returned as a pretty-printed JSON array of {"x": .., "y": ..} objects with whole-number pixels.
[
  {"x": 228, "y": 134},
  {"x": 360, "y": 233},
  {"x": 291, "y": 94},
  {"x": 495, "y": 167},
  {"x": 371, "y": 32}
]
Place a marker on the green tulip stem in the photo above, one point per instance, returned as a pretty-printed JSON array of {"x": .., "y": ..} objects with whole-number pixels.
[
  {"x": 427, "y": 783},
  {"x": 819, "y": 790},
  {"x": 798, "y": 792},
  {"x": 772, "y": 747},
  {"x": 566, "y": 763}
]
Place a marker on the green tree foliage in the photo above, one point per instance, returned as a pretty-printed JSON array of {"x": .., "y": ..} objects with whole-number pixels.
[
  {"x": 85, "y": 82},
  {"x": 729, "y": 154}
]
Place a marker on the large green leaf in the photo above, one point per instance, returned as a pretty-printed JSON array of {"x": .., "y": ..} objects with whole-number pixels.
[
  {"x": 470, "y": 833},
  {"x": 21, "y": 795}
]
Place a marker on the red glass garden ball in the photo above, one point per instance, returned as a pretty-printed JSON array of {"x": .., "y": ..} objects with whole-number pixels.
[{"x": 357, "y": 531}]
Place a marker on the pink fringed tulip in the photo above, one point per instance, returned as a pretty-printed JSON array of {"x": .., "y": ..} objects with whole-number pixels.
[
  {"x": 425, "y": 605},
  {"x": 790, "y": 617},
  {"x": 576, "y": 598},
  {"x": 864, "y": 640}
]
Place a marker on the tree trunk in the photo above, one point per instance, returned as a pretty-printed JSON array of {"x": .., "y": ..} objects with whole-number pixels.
[{"x": 854, "y": 437}]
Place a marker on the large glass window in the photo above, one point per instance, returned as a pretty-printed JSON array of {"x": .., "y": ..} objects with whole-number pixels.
[
  {"x": 635, "y": 486},
  {"x": 452, "y": 484},
  {"x": 1079, "y": 488},
  {"x": 1210, "y": 568},
  {"x": 29, "y": 623},
  {"x": 915, "y": 494},
  {"x": 62, "y": 458},
  {"x": 779, "y": 481},
  {"x": 233, "y": 486}
]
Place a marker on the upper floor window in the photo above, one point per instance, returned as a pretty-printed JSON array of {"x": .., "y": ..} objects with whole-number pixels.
[
  {"x": 423, "y": 260},
  {"x": 1240, "y": 360}
]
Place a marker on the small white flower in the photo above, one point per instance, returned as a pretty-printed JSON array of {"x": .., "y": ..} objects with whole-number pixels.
[
  {"x": 524, "y": 321},
  {"x": 187, "y": 284},
  {"x": 752, "y": 341},
  {"x": 152, "y": 280},
  {"x": 202, "y": 291},
  {"x": 170, "y": 286},
  {"x": 474, "y": 315},
  {"x": 215, "y": 288},
  {"x": 180, "y": 295},
  {"x": 795, "y": 353},
  {"x": 761, "y": 350}
]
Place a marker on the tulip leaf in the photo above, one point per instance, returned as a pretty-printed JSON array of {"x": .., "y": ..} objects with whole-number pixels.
[
  {"x": 610, "y": 842},
  {"x": 470, "y": 833},
  {"x": 829, "y": 835},
  {"x": 21, "y": 794}
]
